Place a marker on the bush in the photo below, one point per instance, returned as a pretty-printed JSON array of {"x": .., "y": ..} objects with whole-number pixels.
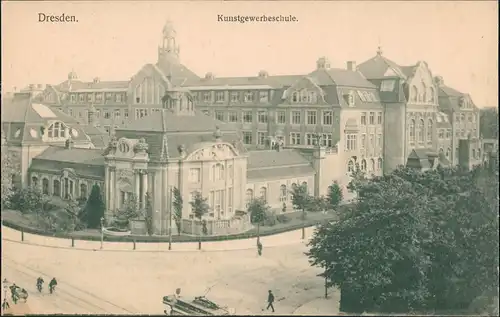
[
  {"x": 27, "y": 200},
  {"x": 270, "y": 219},
  {"x": 283, "y": 218}
]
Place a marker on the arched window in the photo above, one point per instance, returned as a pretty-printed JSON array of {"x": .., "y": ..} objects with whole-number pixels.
[
  {"x": 249, "y": 197},
  {"x": 363, "y": 165},
  {"x": 431, "y": 94},
  {"x": 303, "y": 96},
  {"x": 34, "y": 181},
  {"x": 57, "y": 130},
  {"x": 413, "y": 93},
  {"x": 83, "y": 191},
  {"x": 294, "y": 186},
  {"x": 448, "y": 152},
  {"x": 218, "y": 172},
  {"x": 45, "y": 186},
  {"x": 56, "y": 188},
  {"x": 263, "y": 193},
  {"x": 462, "y": 117},
  {"x": 350, "y": 166},
  {"x": 372, "y": 165},
  {"x": 420, "y": 130},
  {"x": 283, "y": 193},
  {"x": 380, "y": 165},
  {"x": 412, "y": 130},
  {"x": 423, "y": 98},
  {"x": 429, "y": 130},
  {"x": 312, "y": 97},
  {"x": 473, "y": 153},
  {"x": 295, "y": 96}
]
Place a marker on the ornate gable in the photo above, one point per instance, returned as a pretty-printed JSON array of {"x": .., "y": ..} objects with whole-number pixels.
[
  {"x": 215, "y": 152},
  {"x": 304, "y": 91}
]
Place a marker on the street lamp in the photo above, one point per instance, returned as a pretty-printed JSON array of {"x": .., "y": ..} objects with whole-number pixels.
[{"x": 102, "y": 231}]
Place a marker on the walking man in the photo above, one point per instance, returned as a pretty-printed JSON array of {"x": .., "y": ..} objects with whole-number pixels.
[{"x": 270, "y": 301}]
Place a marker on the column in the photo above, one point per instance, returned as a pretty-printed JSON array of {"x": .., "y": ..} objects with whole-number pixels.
[
  {"x": 112, "y": 198},
  {"x": 137, "y": 185},
  {"x": 144, "y": 187},
  {"x": 106, "y": 185}
]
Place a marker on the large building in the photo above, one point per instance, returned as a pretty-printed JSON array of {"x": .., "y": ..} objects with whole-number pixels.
[{"x": 236, "y": 138}]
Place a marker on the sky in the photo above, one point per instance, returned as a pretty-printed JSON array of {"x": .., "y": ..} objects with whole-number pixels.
[{"x": 114, "y": 39}]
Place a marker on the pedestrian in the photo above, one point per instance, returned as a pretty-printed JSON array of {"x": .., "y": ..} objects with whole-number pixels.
[
  {"x": 259, "y": 247},
  {"x": 13, "y": 291},
  {"x": 5, "y": 304},
  {"x": 270, "y": 300}
]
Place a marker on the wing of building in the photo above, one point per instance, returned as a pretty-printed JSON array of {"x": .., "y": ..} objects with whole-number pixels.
[{"x": 235, "y": 138}]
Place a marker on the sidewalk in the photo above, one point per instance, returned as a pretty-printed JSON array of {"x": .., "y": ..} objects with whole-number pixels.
[
  {"x": 322, "y": 306},
  {"x": 282, "y": 239}
]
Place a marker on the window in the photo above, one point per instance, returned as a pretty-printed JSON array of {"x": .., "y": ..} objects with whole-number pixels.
[
  {"x": 295, "y": 138},
  {"x": 248, "y": 96},
  {"x": 263, "y": 193},
  {"x": 45, "y": 186},
  {"x": 448, "y": 152},
  {"x": 263, "y": 96},
  {"x": 296, "y": 117},
  {"x": 73, "y": 98},
  {"x": 372, "y": 117},
  {"x": 420, "y": 131},
  {"x": 351, "y": 142},
  {"x": 57, "y": 130},
  {"x": 363, "y": 165},
  {"x": 413, "y": 93},
  {"x": 261, "y": 138},
  {"x": 219, "y": 96},
  {"x": 207, "y": 96},
  {"x": 117, "y": 114},
  {"x": 107, "y": 115},
  {"x": 125, "y": 113},
  {"x": 71, "y": 113},
  {"x": 219, "y": 115},
  {"x": 312, "y": 97},
  {"x": 327, "y": 117},
  {"x": 90, "y": 97},
  {"x": 283, "y": 193},
  {"x": 448, "y": 134},
  {"x": 363, "y": 118},
  {"x": 387, "y": 85},
  {"x": 233, "y": 116},
  {"x": 194, "y": 175},
  {"x": 379, "y": 117},
  {"x": 218, "y": 172},
  {"x": 206, "y": 112},
  {"x": 310, "y": 139},
  {"x": 56, "y": 188},
  {"x": 362, "y": 144},
  {"x": 379, "y": 164},
  {"x": 429, "y": 131},
  {"x": 107, "y": 128},
  {"x": 379, "y": 140},
  {"x": 311, "y": 117},
  {"x": 372, "y": 141},
  {"x": 248, "y": 197},
  {"x": 412, "y": 131},
  {"x": 350, "y": 166},
  {"x": 235, "y": 97},
  {"x": 361, "y": 96},
  {"x": 247, "y": 117},
  {"x": 295, "y": 96},
  {"x": 280, "y": 117},
  {"x": 81, "y": 97},
  {"x": 98, "y": 113},
  {"x": 441, "y": 134},
  {"x": 262, "y": 116},
  {"x": 327, "y": 139},
  {"x": 247, "y": 137}
]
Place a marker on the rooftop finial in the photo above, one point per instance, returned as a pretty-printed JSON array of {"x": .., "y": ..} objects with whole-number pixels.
[{"x": 379, "y": 50}]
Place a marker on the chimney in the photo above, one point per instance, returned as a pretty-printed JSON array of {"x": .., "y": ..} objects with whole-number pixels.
[
  {"x": 96, "y": 80},
  {"x": 263, "y": 74},
  {"x": 209, "y": 76},
  {"x": 351, "y": 65},
  {"x": 31, "y": 86},
  {"x": 39, "y": 86},
  {"x": 439, "y": 81},
  {"x": 68, "y": 144},
  {"x": 322, "y": 63}
]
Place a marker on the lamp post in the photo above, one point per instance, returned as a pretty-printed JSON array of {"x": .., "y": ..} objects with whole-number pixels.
[
  {"x": 5, "y": 284},
  {"x": 102, "y": 231}
]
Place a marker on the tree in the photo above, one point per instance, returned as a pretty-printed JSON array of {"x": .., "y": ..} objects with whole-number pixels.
[
  {"x": 130, "y": 210},
  {"x": 177, "y": 205},
  {"x": 335, "y": 195},
  {"x": 489, "y": 123},
  {"x": 258, "y": 208},
  {"x": 7, "y": 172},
  {"x": 73, "y": 212},
  {"x": 358, "y": 178},
  {"x": 200, "y": 207},
  {"x": 301, "y": 200},
  {"x": 148, "y": 214},
  {"x": 27, "y": 200},
  {"x": 94, "y": 209},
  {"x": 413, "y": 242}
]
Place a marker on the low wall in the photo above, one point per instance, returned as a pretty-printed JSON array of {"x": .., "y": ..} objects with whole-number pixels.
[{"x": 217, "y": 227}]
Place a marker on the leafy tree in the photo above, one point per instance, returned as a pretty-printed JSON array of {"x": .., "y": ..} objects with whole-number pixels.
[
  {"x": 413, "y": 242},
  {"x": 177, "y": 205},
  {"x": 317, "y": 204},
  {"x": 335, "y": 195},
  {"x": 73, "y": 212},
  {"x": 258, "y": 208},
  {"x": 94, "y": 209},
  {"x": 27, "y": 200},
  {"x": 148, "y": 214},
  {"x": 7, "y": 172},
  {"x": 489, "y": 123},
  {"x": 200, "y": 207},
  {"x": 301, "y": 200},
  {"x": 358, "y": 178}
]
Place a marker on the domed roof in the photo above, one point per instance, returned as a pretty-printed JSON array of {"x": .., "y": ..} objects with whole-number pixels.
[{"x": 72, "y": 75}]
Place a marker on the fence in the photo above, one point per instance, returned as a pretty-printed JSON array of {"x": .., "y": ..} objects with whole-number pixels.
[{"x": 216, "y": 227}]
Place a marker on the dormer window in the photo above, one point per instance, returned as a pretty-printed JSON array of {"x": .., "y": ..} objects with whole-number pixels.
[
  {"x": 295, "y": 96},
  {"x": 207, "y": 96},
  {"x": 57, "y": 130},
  {"x": 248, "y": 96},
  {"x": 73, "y": 98},
  {"x": 350, "y": 99},
  {"x": 263, "y": 96},
  {"x": 235, "y": 97},
  {"x": 462, "y": 102},
  {"x": 98, "y": 97},
  {"x": 219, "y": 96},
  {"x": 82, "y": 98}
]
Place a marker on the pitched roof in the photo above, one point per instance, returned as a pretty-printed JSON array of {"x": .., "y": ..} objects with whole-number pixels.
[
  {"x": 376, "y": 67},
  {"x": 73, "y": 155},
  {"x": 340, "y": 77},
  {"x": 77, "y": 85},
  {"x": 272, "y": 81},
  {"x": 273, "y": 158},
  {"x": 178, "y": 73},
  {"x": 448, "y": 91},
  {"x": 280, "y": 172}
]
